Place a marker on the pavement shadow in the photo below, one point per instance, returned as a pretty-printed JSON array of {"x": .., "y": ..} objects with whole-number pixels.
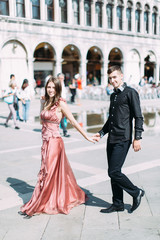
[
  {"x": 95, "y": 201},
  {"x": 3, "y": 117},
  {"x": 20, "y": 187},
  {"x": 37, "y": 130}
]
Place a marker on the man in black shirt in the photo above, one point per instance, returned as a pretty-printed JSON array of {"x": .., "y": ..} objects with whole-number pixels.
[{"x": 124, "y": 106}]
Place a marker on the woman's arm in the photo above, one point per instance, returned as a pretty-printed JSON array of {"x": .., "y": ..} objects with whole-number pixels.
[
  {"x": 41, "y": 108},
  {"x": 66, "y": 111}
]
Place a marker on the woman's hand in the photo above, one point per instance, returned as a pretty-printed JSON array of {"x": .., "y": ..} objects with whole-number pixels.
[{"x": 90, "y": 139}]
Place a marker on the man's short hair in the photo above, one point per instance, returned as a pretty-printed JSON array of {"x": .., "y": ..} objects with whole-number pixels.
[
  {"x": 11, "y": 76},
  {"x": 114, "y": 68},
  {"x": 60, "y": 74}
]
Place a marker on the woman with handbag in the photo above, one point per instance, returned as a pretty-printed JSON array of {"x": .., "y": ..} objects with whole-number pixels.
[{"x": 9, "y": 97}]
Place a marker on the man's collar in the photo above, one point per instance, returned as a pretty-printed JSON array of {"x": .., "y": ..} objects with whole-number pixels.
[{"x": 121, "y": 88}]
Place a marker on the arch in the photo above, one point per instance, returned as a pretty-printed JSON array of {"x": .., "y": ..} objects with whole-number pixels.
[
  {"x": 115, "y": 57},
  {"x": 71, "y": 59},
  {"x": 94, "y": 65},
  {"x": 44, "y": 62},
  {"x": 133, "y": 71},
  {"x": 14, "y": 59},
  {"x": 150, "y": 65}
]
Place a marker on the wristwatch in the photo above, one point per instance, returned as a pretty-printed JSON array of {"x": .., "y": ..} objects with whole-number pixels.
[{"x": 138, "y": 138}]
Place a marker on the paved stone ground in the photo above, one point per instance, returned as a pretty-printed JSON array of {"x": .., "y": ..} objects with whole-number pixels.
[{"x": 19, "y": 165}]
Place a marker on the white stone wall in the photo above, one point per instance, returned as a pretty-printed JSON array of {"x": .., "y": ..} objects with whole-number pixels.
[{"x": 19, "y": 38}]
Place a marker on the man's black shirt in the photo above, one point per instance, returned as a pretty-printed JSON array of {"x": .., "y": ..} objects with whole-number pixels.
[{"x": 124, "y": 106}]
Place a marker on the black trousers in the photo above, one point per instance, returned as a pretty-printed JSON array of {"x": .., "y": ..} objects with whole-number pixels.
[{"x": 116, "y": 154}]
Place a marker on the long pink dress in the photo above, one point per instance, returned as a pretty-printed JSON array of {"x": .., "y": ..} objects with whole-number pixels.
[{"x": 56, "y": 190}]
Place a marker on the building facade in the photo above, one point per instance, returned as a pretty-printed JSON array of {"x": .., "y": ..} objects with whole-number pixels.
[{"x": 42, "y": 37}]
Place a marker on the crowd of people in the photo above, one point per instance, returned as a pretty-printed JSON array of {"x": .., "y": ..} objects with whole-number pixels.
[
  {"x": 13, "y": 95},
  {"x": 148, "y": 89}
]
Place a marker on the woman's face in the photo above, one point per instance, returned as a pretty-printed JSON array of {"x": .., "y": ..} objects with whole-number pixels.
[{"x": 51, "y": 89}]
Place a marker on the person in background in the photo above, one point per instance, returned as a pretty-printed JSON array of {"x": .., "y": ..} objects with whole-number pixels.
[
  {"x": 11, "y": 92},
  {"x": 26, "y": 98},
  {"x": 17, "y": 97},
  {"x": 79, "y": 87},
  {"x": 60, "y": 77},
  {"x": 72, "y": 88}
]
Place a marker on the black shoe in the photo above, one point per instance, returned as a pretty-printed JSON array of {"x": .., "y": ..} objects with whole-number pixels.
[
  {"x": 66, "y": 135},
  {"x": 137, "y": 200},
  {"x": 22, "y": 213},
  {"x": 21, "y": 120},
  {"x": 6, "y": 125},
  {"x": 27, "y": 216},
  {"x": 111, "y": 209},
  {"x": 16, "y": 127}
]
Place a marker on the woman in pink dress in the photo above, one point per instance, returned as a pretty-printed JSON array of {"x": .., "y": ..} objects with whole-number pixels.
[{"x": 56, "y": 190}]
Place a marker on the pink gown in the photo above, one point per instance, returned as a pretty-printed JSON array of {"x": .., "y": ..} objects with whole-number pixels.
[{"x": 56, "y": 190}]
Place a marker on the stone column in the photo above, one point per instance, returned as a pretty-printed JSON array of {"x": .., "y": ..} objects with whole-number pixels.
[
  {"x": 56, "y": 11},
  {"x": 104, "y": 15},
  {"x": 142, "y": 68},
  {"x": 69, "y": 12},
  {"x": 31, "y": 72},
  {"x": 104, "y": 79},
  {"x": 81, "y": 12},
  {"x": 124, "y": 20},
  {"x": 58, "y": 65},
  {"x": 93, "y": 13},
  {"x": 133, "y": 20},
  {"x": 115, "y": 17},
  {"x": 12, "y": 8},
  {"x": 157, "y": 28},
  {"x": 83, "y": 67},
  {"x": 42, "y": 10},
  {"x": 157, "y": 73},
  {"x": 142, "y": 22},
  {"x": 28, "y": 8}
]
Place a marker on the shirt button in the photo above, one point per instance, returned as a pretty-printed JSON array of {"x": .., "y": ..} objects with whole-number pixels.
[
  {"x": 111, "y": 122},
  {"x": 112, "y": 115},
  {"x": 111, "y": 130},
  {"x": 113, "y": 107}
]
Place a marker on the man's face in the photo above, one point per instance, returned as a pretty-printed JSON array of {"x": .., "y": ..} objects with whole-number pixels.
[
  {"x": 116, "y": 79},
  {"x": 61, "y": 78}
]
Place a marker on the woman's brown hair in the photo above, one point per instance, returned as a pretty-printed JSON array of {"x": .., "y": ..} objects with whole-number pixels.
[{"x": 58, "y": 90}]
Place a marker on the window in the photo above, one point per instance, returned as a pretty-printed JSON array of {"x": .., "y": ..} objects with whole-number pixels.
[
  {"x": 75, "y": 6},
  {"x": 129, "y": 15},
  {"x": 146, "y": 19},
  {"x": 20, "y": 8},
  {"x": 98, "y": 8},
  {"x": 87, "y": 10},
  {"x": 63, "y": 5},
  {"x": 36, "y": 9},
  {"x": 119, "y": 17},
  {"x": 129, "y": 18},
  {"x": 154, "y": 20},
  {"x": 4, "y": 7},
  {"x": 50, "y": 10},
  {"x": 110, "y": 16},
  {"x": 138, "y": 17}
]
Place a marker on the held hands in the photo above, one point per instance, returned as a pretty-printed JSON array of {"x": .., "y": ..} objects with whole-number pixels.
[
  {"x": 96, "y": 137},
  {"x": 136, "y": 145}
]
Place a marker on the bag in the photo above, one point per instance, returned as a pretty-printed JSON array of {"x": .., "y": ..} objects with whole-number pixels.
[
  {"x": 9, "y": 99},
  {"x": 15, "y": 105},
  {"x": 65, "y": 123}
]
